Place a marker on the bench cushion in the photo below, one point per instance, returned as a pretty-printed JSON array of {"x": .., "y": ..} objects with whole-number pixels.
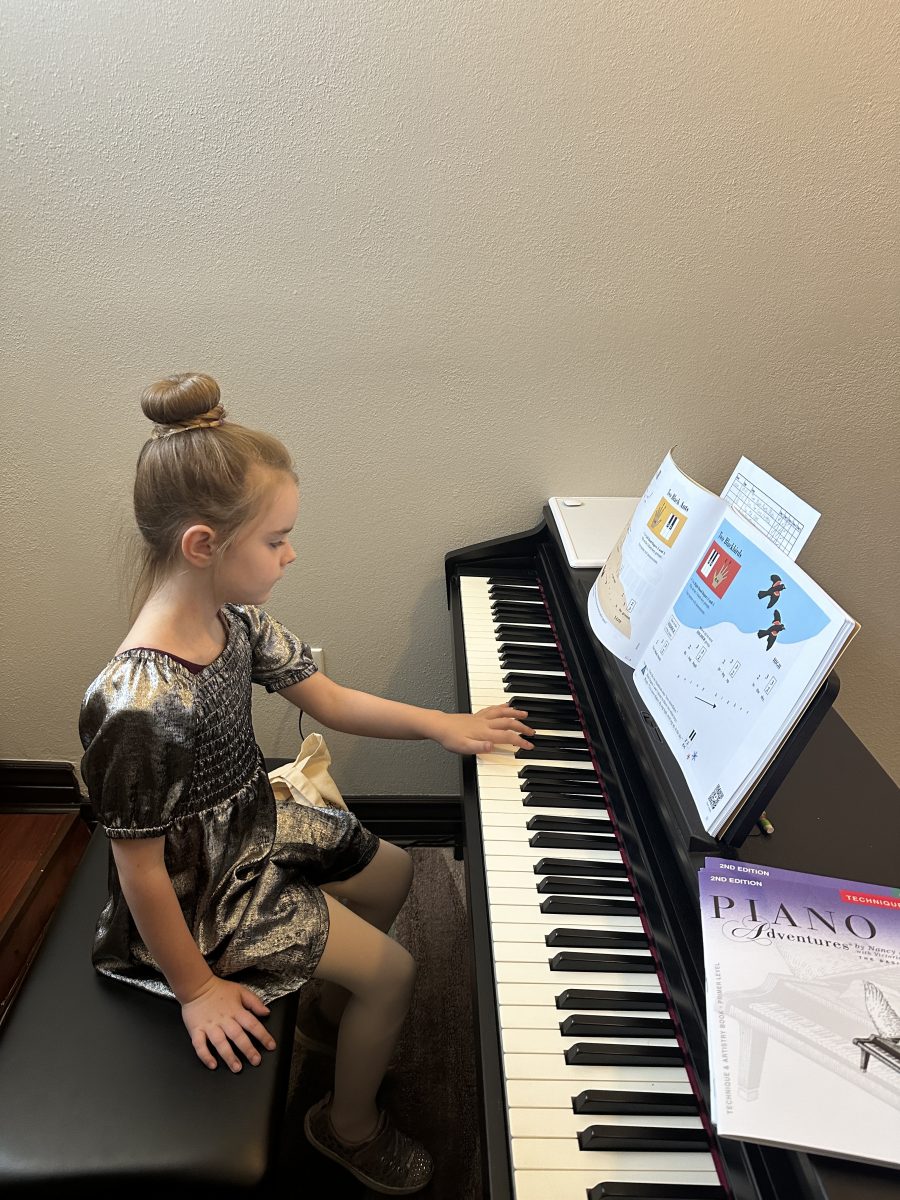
[{"x": 99, "y": 1082}]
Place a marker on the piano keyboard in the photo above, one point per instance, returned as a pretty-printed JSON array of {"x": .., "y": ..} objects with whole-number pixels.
[{"x": 599, "y": 1102}]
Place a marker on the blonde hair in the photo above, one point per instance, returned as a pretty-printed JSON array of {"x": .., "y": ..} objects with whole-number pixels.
[{"x": 196, "y": 467}]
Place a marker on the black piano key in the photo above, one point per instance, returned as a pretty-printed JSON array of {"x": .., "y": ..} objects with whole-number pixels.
[
  {"x": 515, "y": 583},
  {"x": 559, "y": 885},
  {"x": 555, "y": 741},
  {"x": 641, "y": 1104},
  {"x": 554, "y": 840},
  {"x": 546, "y": 658},
  {"x": 552, "y": 684},
  {"x": 578, "y": 866},
  {"x": 561, "y": 708},
  {"x": 606, "y": 1000},
  {"x": 573, "y": 960},
  {"x": 520, "y": 610},
  {"x": 564, "y": 754},
  {"x": 553, "y": 787},
  {"x": 584, "y": 801},
  {"x": 509, "y": 634},
  {"x": 568, "y": 776},
  {"x": 588, "y": 906},
  {"x": 540, "y": 821},
  {"x": 643, "y": 1139},
  {"x": 594, "y": 1054},
  {"x": 530, "y": 659},
  {"x": 657, "y": 1191},
  {"x": 582, "y": 1025},
  {"x": 518, "y": 647},
  {"x": 610, "y": 939},
  {"x": 542, "y": 721}
]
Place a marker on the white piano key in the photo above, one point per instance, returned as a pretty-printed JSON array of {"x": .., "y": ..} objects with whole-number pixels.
[
  {"x": 540, "y": 953},
  {"x": 506, "y": 847},
  {"x": 545, "y": 993},
  {"x": 547, "y": 1066},
  {"x": 557, "y": 1122},
  {"x": 513, "y": 906},
  {"x": 506, "y": 759},
  {"x": 553, "y": 1154},
  {"x": 514, "y": 862},
  {"x": 559, "y": 1093},
  {"x": 524, "y": 877},
  {"x": 541, "y": 1185},
  {"x": 538, "y": 973},
  {"x": 548, "y": 1041},
  {"x": 539, "y": 1017},
  {"x": 511, "y": 811},
  {"x": 493, "y": 788}
]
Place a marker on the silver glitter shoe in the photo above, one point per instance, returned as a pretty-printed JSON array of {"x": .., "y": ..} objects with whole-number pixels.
[{"x": 388, "y": 1162}]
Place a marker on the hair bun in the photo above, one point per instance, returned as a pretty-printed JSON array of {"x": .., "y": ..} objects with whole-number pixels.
[{"x": 178, "y": 399}]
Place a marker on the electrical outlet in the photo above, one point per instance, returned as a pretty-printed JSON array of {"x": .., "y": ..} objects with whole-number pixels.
[{"x": 318, "y": 657}]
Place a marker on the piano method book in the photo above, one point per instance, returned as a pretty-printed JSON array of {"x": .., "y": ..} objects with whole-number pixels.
[
  {"x": 803, "y": 1002},
  {"x": 729, "y": 639}
]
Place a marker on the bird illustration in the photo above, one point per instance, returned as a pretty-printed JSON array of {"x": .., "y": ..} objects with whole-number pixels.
[
  {"x": 774, "y": 592},
  {"x": 773, "y": 631},
  {"x": 884, "y": 1044},
  {"x": 884, "y": 1017}
]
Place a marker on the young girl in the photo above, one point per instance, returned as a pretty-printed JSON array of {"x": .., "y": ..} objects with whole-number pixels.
[{"x": 220, "y": 895}]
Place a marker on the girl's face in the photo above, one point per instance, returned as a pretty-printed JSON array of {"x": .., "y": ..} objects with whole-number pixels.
[{"x": 257, "y": 558}]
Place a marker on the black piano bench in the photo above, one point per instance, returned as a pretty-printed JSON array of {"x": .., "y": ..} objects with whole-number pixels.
[{"x": 100, "y": 1089}]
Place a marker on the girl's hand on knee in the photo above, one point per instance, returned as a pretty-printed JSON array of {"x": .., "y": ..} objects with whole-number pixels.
[
  {"x": 479, "y": 733},
  {"x": 221, "y": 1015}
]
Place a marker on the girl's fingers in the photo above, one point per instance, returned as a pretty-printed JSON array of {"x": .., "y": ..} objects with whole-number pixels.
[
  {"x": 501, "y": 710},
  {"x": 198, "y": 1041},
  {"x": 216, "y": 1035},
  {"x": 252, "y": 1001},
  {"x": 238, "y": 1038},
  {"x": 260, "y": 1032}
]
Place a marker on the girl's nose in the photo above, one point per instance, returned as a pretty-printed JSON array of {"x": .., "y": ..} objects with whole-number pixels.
[{"x": 291, "y": 555}]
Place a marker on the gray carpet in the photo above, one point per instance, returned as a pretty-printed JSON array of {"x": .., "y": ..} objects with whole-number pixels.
[{"x": 431, "y": 1090}]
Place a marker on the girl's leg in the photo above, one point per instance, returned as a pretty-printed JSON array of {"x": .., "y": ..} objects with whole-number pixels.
[
  {"x": 378, "y": 974},
  {"x": 376, "y": 894}
]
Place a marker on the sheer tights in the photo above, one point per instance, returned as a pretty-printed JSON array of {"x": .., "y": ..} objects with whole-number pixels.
[{"x": 368, "y": 984}]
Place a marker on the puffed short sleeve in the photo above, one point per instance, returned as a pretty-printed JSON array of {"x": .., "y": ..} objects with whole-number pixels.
[
  {"x": 279, "y": 658},
  {"x": 137, "y": 730}
]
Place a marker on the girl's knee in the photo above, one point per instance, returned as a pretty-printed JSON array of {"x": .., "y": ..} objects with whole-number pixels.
[
  {"x": 400, "y": 865},
  {"x": 401, "y": 970}
]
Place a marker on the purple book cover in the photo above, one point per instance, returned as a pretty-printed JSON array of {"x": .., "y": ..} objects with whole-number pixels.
[{"x": 803, "y": 994}]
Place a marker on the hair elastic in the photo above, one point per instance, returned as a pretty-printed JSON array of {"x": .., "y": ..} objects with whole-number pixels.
[{"x": 208, "y": 420}]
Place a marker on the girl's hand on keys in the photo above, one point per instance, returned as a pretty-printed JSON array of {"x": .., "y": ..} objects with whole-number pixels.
[{"x": 479, "y": 733}]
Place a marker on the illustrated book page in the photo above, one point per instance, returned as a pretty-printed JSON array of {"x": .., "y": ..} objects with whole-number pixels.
[
  {"x": 735, "y": 660},
  {"x": 669, "y": 527}
]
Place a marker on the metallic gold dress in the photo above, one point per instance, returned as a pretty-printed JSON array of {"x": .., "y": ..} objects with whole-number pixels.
[{"x": 171, "y": 752}]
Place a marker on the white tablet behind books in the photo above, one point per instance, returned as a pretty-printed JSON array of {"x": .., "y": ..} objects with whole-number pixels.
[{"x": 589, "y": 525}]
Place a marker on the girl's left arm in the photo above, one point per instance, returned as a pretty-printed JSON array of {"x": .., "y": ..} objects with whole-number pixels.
[{"x": 350, "y": 711}]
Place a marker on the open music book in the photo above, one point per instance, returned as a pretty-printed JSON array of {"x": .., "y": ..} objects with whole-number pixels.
[
  {"x": 728, "y": 637},
  {"x": 803, "y": 1009}
]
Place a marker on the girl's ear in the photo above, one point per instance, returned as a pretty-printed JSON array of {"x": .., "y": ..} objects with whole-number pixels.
[{"x": 198, "y": 545}]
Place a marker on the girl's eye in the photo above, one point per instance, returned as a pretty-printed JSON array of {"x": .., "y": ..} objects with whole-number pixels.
[{"x": 275, "y": 545}]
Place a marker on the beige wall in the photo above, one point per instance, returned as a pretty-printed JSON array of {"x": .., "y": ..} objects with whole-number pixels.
[{"x": 461, "y": 256}]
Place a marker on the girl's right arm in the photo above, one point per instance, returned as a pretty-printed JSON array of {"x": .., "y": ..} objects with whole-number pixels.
[{"x": 216, "y": 1011}]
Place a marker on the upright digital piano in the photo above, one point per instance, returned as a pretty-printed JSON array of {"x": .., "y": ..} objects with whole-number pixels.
[{"x": 582, "y": 859}]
